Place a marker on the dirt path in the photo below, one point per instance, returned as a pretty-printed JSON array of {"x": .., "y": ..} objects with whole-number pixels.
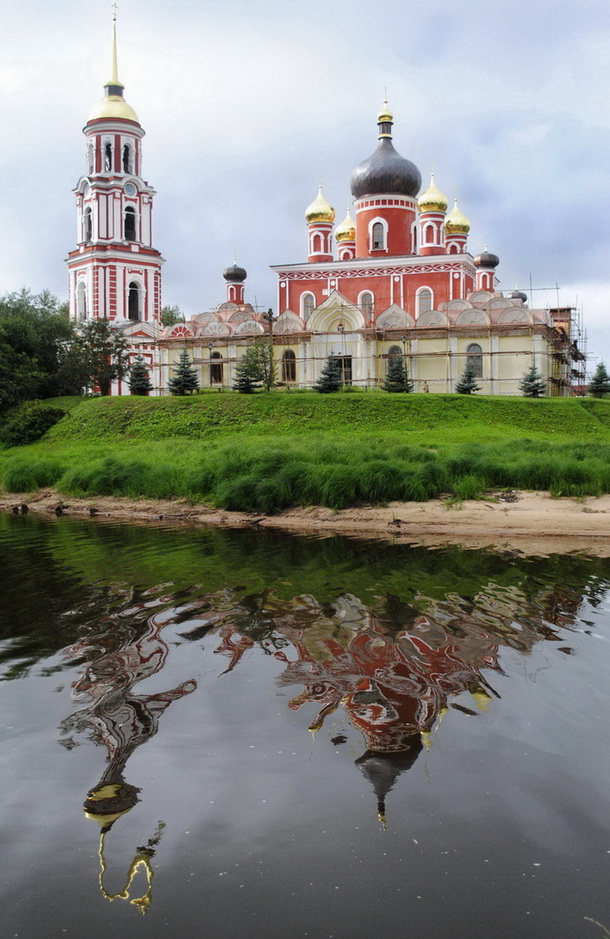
[{"x": 527, "y": 522}]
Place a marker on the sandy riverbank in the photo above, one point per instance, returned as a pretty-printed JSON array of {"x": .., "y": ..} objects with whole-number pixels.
[{"x": 527, "y": 522}]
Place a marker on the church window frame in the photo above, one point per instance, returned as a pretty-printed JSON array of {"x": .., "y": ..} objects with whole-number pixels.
[
  {"x": 308, "y": 305},
  {"x": 81, "y": 301},
  {"x": 430, "y": 234},
  {"x": 474, "y": 359},
  {"x": 424, "y": 300},
  {"x": 366, "y": 302},
  {"x": 129, "y": 224},
  {"x": 90, "y": 159},
  {"x": 135, "y": 304},
  {"x": 108, "y": 156},
  {"x": 88, "y": 224},
  {"x": 127, "y": 158},
  {"x": 216, "y": 368},
  {"x": 378, "y": 234},
  {"x": 289, "y": 366}
]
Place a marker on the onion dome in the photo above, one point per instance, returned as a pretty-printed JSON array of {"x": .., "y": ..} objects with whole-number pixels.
[
  {"x": 486, "y": 259},
  {"x": 385, "y": 171},
  {"x": 346, "y": 231},
  {"x": 457, "y": 223},
  {"x": 320, "y": 210},
  {"x": 235, "y": 274},
  {"x": 433, "y": 200},
  {"x": 518, "y": 295},
  {"x": 114, "y": 104}
]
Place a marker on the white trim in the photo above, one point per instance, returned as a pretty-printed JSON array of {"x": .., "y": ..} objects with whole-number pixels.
[{"x": 378, "y": 220}]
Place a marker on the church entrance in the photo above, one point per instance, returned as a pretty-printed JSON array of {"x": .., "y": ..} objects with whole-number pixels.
[{"x": 345, "y": 364}]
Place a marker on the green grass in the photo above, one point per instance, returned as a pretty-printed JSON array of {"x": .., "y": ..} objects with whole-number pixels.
[{"x": 264, "y": 453}]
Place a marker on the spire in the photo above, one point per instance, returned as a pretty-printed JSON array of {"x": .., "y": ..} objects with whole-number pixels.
[
  {"x": 114, "y": 86},
  {"x": 385, "y": 119}
]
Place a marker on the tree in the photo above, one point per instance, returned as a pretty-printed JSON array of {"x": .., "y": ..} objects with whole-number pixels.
[
  {"x": 256, "y": 367},
  {"x": 467, "y": 384},
  {"x": 100, "y": 353},
  {"x": 34, "y": 334},
  {"x": 532, "y": 384},
  {"x": 139, "y": 378},
  {"x": 244, "y": 382},
  {"x": 397, "y": 378},
  {"x": 599, "y": 386},
  {"x": 330, "y": 377},
  {"x": 185, "y": 379},
  {"x": 170, "y": 315}
]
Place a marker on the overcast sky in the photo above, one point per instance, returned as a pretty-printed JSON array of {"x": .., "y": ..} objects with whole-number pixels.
[{"x": 247, "y": 104}]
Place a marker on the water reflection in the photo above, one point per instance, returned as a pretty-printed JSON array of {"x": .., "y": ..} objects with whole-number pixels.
[
  {"x": 390, "y": 638},
  {"x": 120, "y": 650}
]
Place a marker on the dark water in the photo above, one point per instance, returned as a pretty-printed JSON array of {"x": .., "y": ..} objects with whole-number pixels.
[{"x": 235, "y": 734}]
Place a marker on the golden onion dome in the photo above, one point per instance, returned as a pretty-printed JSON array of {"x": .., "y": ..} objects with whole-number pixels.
[
  {"x": 433, "y": 200},
  {"x": 346, "y": 231},
  {"x": 320, "y": 210},
  {"x": 456, "y": 222},
  {"x": 113, "y": 106}
]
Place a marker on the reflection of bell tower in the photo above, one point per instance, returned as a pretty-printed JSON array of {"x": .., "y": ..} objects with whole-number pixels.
[
  {"x": 114, "y": 272},
  {"x": 383, "y": 769}
]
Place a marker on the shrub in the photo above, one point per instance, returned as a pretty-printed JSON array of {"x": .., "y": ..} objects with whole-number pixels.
[{"x": 29, "y": 422}]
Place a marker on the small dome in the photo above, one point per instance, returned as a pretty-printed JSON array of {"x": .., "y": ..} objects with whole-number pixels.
[
  {"x": 235, "y": 274},
  {"x": 385, "y": 171},
  {"x": 518, "y": 295},
  {"x": 433, "y": 200},
  {"x": 320, "y": 210},
  {"x": 456, "y": 222},
  {"x": 486, "y": 259},
  {"x": 346, "y": 231},
  {"x": 113, "y": 106}
]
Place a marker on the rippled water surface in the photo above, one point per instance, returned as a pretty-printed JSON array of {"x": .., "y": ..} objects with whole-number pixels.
[{"x": 235, "y": 734}]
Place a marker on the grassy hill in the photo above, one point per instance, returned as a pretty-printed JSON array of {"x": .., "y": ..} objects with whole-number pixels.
[{"x": 263, "y": 452}]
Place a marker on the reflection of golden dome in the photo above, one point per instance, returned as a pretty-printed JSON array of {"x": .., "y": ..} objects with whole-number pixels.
[
  {"x": 346, "y": 231},
  {"x": 320, "y": 210},
  {"x": 433, "y": 200},
  {"x": 456, "y": 222}
]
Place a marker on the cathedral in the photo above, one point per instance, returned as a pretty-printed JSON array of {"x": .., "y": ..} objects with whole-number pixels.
[{"x": 397, "y": 280}]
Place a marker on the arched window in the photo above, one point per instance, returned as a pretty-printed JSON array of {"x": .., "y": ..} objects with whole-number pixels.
[
  {"x": 216, "y": 368},
  {"x": 316, "y": 244},
  {"x": 133, "y": 302},
  {"x": 107, "y": 157},
  {"x": 127, "y": 168},
  {"x": 130, "y": 224},
  {"x": 429, "y": 234},
  {"x": 90, "y": 159},
  {"x": 474, "y": 359},
  {"x": 88, "y": 232},
  {"x": 377, "y": 236},
  {"x": 424, "y": 301},
  {"x": 308, "y": 302},
  {"x": 289, "y": 366},
  {"x": 367, "y": 303},
  {"x": 81, "y": 301}
]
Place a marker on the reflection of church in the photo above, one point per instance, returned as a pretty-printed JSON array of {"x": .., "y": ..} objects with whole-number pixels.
[{"x": 398, "y": 280}]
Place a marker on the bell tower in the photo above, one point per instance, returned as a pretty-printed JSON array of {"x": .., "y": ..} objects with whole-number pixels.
[{"x": 114, "y": 271}]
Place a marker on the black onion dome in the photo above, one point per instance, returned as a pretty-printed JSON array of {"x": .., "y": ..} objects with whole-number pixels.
[
  {"x": 486, "y": 259},
  {"x": 386, "y": 172},
  {"x": 518, "y": 295},
  {"x": 235, "y": 274}
]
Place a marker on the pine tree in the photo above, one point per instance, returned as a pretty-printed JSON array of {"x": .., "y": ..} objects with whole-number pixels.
[
  {"x": 397, "y": 378},
  {"x": 246, "y": 381},
  {"x": 467, "y": 384},
  {"x": 330, "y": 378},
  {"x": 599, "y": 386},
  {"x": 185, "y": 379},
  {"x": 532, "y": 384},
  {"x": 139, "y": 379}
]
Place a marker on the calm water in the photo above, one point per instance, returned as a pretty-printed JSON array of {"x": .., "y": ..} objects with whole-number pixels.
[{"x": 236, "y": 734}]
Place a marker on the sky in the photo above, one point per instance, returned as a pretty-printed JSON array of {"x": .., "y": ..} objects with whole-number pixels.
[{"x": 248, "y": 105}]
